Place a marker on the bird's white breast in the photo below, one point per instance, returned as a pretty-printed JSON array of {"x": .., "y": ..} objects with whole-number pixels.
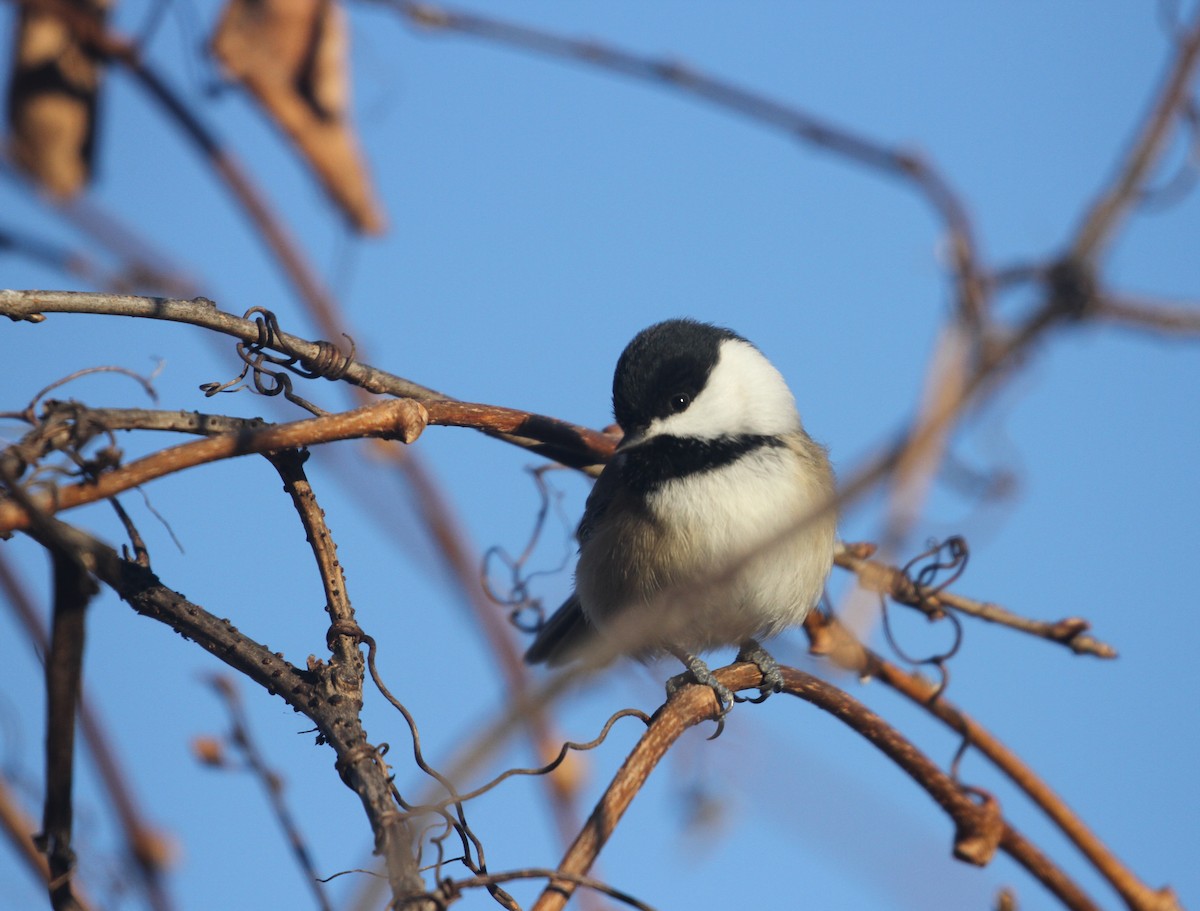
[{"x": 717, "y": 557}]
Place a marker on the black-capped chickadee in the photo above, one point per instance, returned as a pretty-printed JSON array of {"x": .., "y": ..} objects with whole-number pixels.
[{"x": 702, "y": 531}]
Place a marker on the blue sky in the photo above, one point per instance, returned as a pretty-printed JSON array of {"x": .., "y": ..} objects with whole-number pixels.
[{"x": 541, "y": 213}]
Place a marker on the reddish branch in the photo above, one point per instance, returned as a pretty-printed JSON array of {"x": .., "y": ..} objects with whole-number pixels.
[
  {"x": 567, "y": 443},
  {"x": 979, "y": 827},
  {"x": 830, "y": 638},
  {"x": 400, "y": 419}
]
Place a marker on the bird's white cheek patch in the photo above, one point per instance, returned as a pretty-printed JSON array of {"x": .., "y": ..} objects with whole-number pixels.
[{"x": 745, "y": 394}]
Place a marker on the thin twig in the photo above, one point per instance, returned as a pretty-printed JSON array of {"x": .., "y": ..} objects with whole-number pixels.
[
  {"x": 904, "y": 165},
  {"x": 242, "y": 737},
  {"x": 19, "y": 828},
  {"x": 344, "y": 633},
  {"x": 1113, "y": 202},
  {"x": 145, "y": 847},
  {"x": 1174, "y": 320},
  {"x": 400, "y": 418},
  {"x": 891, "y": 581},
  {"x": 142, "y": 268}
]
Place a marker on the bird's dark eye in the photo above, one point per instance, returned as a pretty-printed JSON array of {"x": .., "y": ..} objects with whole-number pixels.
[{"x": 680, "y": 401}]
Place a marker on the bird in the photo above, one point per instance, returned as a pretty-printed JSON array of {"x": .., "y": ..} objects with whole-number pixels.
[{"x": 712, "y": 525}]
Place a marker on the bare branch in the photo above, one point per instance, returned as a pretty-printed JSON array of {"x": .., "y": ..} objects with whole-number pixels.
[
  {"x": 145, "y": 847},
  {"x": 344, "y": 634},
  {"x": 979, "y": 827},
  {"x": 73, "y": 590},
  {"x": 904, "y": 165},
  {"x": 829, "y": 637},
  {"x": 242, "y": 737},
  {"x": 891, "y": 581},
  {"x": 400, "y": 418},
  {"x": 1176, "y": 320},
  {"x": 567, "y": 443},
  {"x": 315, "y": 693},
  {"x": 1113, "y": 203}
]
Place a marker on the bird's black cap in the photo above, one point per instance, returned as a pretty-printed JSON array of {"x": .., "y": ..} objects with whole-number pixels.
[{"x": 667, "y": 360}]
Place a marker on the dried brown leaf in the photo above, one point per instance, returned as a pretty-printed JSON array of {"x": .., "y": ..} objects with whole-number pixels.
[
  {"x": 52, "y": 99},
  {"x": 291, "y": 55}
]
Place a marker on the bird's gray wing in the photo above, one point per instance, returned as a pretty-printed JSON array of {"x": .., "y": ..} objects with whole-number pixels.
[
  {"x": 565, "y": 634},
  {"x": 604, "y": 491},
  {"x": 562, "y": 637}
]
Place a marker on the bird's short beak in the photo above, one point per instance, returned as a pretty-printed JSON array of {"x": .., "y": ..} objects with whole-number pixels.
[{"x": 631, "y": 439}]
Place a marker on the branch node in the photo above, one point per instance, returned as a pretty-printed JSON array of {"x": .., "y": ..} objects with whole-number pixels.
[
  {"x": 977, "y": 835},
  {"x": 1072, "y": 285},
  {"x": 411, "y": 420}
]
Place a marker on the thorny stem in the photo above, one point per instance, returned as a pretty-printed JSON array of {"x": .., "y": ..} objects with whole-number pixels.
[{"x": 317, "y": 694}]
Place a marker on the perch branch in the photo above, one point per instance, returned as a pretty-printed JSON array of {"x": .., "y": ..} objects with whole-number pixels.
[
  {"x": 979, "y": 827},
  {"x": 401, "y": 419}
]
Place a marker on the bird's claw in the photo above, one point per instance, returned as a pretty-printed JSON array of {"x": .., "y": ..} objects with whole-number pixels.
[
  {"x": 772, "y": 676},
  {"x": 698, "y": 673}
]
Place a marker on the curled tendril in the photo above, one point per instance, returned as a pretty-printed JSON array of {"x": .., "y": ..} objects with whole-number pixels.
[
  {"x": 329, "y": 362},
  {"x": 525, "y": 610},
  {"x": 949, "y": 556},
  {"x": 927, "y": 575}
]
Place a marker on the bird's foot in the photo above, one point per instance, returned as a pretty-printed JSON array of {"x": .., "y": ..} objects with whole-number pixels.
[
  {"x": 772, "y": 676},
  {"x": 698, "y": 672}
]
